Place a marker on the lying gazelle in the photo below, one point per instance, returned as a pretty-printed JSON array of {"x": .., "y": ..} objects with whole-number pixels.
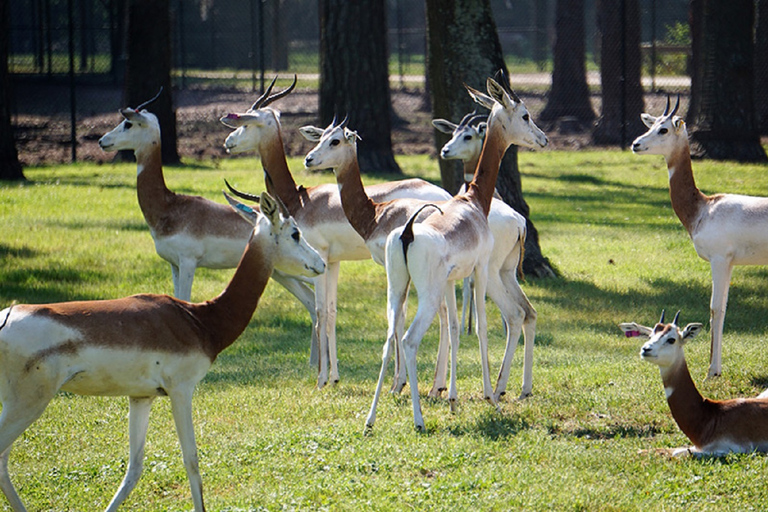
[
  {"x": 188, "y": 231},
  {"x": 143, "y": 346},
  {"x": 453, "y": 243},
  {"x": 726, "y": 229},
  {"x": 715, "y": 427},
  {"x": 337, "y": 148},
  {"x": 319, "y": 213}
]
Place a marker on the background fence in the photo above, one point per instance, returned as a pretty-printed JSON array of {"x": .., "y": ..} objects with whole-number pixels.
[{"x": 67, "y": 61}]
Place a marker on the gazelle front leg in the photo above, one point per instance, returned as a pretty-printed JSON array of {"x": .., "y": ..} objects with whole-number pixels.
[
  {"x": 138, "y": 421},
  {"x": 330, "y": 329},
  {"x": 183, "y": 276},
  {"x": 481, "y": 280},
  {"x": 181, "y": 407},
  {"x": 306, "y": 296},
  {"x": 721, "y": 281},
  {"x": 321, "y": 308}
]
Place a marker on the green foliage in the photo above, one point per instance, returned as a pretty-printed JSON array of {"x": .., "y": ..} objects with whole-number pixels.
[{"x": 268, "y": 440}]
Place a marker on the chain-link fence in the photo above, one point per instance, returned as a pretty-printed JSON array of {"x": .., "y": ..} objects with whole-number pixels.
[{"x": 67, "y": 61}]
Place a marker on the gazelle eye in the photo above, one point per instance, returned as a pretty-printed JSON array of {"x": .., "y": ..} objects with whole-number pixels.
[
  {"x": 662, "y": 131},
  {"x": 127, "y": 125},
  {"x": 467, "y": 137},
  {"x": 335, "y": 142},
  {"x": 296, "y": 235},
  {"x": 526, "y": 117},
  {"x": 672, "y": 340}
]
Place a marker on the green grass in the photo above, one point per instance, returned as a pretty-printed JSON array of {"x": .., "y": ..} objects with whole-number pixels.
[{"x": 268, "y": 440}]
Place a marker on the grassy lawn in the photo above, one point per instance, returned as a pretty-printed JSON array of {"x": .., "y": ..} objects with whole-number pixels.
[{"x": 268, "y": 440}]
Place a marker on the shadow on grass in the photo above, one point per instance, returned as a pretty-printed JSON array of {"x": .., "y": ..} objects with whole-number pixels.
[
  {"x": 492, "y": 425},
  {"x": 7, "y": 251},
  {"x": 25, "y": 286}
]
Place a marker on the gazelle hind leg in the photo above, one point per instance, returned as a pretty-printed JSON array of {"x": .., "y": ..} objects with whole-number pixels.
[
  {"x": 138, "y": 421},
  {"x": 441, "y": 367}
]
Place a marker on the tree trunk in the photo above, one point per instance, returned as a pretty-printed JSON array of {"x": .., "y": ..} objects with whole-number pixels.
[
  {"x": 722, "y": 112},
  {"x": 354, "y": 77},
  {"x": 463, "y": 47},
  {"x": 619, "y": 74},
  {"x": 569, "y": 96},
  {"x": 761, "y": 66},
  {"x": 149, "y": 67},
  {"x": 10, "y": 167}
]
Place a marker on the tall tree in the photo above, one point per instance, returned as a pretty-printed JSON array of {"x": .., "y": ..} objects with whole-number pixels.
[
  {"x": 463, "y": 47},
  {"x": 10, "y": 168},
  {"x": 722, "y": 109},
  {"x": 569, "y": 95},
  {"x": 620, "y": 62},
  {"x": 354, "y": 76},
  {"x": 761, "y": 65},
  {"x": 149, "y": 67}
]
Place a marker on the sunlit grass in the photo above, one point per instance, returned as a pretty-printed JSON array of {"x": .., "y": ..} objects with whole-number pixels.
[{"x": 268, "y": 440}]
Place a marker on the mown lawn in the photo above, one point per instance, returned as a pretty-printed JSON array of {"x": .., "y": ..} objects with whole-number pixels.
[{"x": 269, "y": 440}]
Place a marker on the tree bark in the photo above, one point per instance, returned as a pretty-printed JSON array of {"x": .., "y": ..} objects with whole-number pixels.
[
  {"x": 463, "y": 47},
  {"x": 354, "y": 77},
  {"x": 10, "y": 167},
  {"x": 620, "y": 62},
  {"x": 761, "y": 66},
  {"x": 149, "y": 67},
  {"x": 722, "y": 112},
  {"x": 569, "y": 95}
]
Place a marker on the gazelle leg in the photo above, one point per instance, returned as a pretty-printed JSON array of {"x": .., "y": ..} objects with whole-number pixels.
[
  {"x": 721, "y": 280},
  {"x": 186, "y": 275},
  {"x": 138, "y": 421},
  {"x": 441, "y": 367},
  {"x": 454, "y": 333},
  {"x": 400, "y": 379},
  {"x": 481, "y": 279},
  {"x": 321, "y": 308},
  {"x": 181, "y": 406},
  {"x": 306, "y": 296},
  {"x": 331, "y": 300}
]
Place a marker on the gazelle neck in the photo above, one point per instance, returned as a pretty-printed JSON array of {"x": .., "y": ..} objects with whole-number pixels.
[
  {"x": 359, "y": 209},
  {"x": 151, "y": 189},
  {"x": 226, "y": 316},
  {"x": 469, "y": 168},
  {"x": 687, "y": 199},
  {"x": 273, "y": 160},
  {"x": 690, "y": 410},
  {"x": 484, "y": 182}
]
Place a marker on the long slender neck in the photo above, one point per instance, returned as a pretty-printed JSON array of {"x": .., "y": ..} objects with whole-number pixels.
[
  {"x": 273, "y": 160},
  {"x": 687, "y": 199},
  {"x": 484, "y": 183},
  {"x": 226, "y": 316},
  {"x": 469, "y": 168},
  {"x": 690, "y": 410},
  {"x": 359, "y": 209},
  {"x": 151, "y": 189}
]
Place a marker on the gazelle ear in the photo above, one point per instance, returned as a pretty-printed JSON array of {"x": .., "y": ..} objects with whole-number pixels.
[
  {"x": 232, "y": 120},
  {"x": 497, "y": 92},
  {"x": 270, "y": 208},
  {"x": 647, "y": 119},
  {"x": 481, "y": 128},
  {"x": 444, "y": 126},
  {"x": 692, "y": 330},
  {"x": 311, "y": 133},
  {"x": 633, "y": 330},
  {"x": 351, "y": 136},
  {"x": 480, "y": 98},
  {"x": 131, "y": 115},
  {"x": 245, "y": 211},
  {"x": 678, "y": 123}
]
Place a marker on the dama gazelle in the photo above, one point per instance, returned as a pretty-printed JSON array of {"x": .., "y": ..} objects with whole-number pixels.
[
  {"x": 715, "y": 427},
  {"x": 451, "y": 244},
  {"x": 726, "y": 229},
  {"x": 188, "y": 231},
  {"x": 337, "y": 148},
  {"x": 319, "y": 213},
  {"x": 143, "y": 346}
]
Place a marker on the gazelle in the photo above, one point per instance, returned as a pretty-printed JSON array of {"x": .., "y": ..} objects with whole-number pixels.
[
  {"x": 715, "y": 427},
  {"x": 451, "y": 244},
  {"x": 143, "y": 346},
  {"x": 337, "y": 148},
  {"x": 319, "y": 212},
  {"x": 188, "y": 231},
  {"x": 726, "y": 229}
]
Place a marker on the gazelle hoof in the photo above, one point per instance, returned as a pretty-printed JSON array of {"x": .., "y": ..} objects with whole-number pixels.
[{"x": 453, "y": 403}]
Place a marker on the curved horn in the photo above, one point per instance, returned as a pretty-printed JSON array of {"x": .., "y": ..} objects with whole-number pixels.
[
  {"x": 676, "y": 317},
  {"x": 280, "y": 94},
  {"x": 242, "y": 195},
  {"x": 661, "y": 320},
  {"x": 666, "y": 109},
  {"x": 477, "y": 117},
  {"x": 260, "y": 100},
  {"x": 677, "y": 105},
  {"x": 467, "y": 119},
  {"x": 502, "y": 78},
  {"x": 344, "y": 121},
  {"x": 150, "y": 101}
]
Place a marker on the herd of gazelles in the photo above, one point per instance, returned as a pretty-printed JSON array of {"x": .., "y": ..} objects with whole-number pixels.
[{"x": 146, "y": 346}]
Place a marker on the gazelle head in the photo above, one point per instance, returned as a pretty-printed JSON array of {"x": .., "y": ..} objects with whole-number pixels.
[
  {"x": 466, "y": 137},
  {"x": 293, "y": 255},
  {"x": 664, "y": 133},
  {"x": 139, "y": 129},
  {"x": 509, "y": 112},
  {"x": 336, "y": 145},
  {"x": 256, "y": 125},
  {"x": 665, "y": 342}
]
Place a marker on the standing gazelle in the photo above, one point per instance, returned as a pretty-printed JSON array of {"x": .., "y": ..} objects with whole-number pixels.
[
  {"x": 452, "y": 243},
  {"x": 143, "y": 346},
  {"x": 715, "y": 427},
  {"x": 726, "y": 229}
]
